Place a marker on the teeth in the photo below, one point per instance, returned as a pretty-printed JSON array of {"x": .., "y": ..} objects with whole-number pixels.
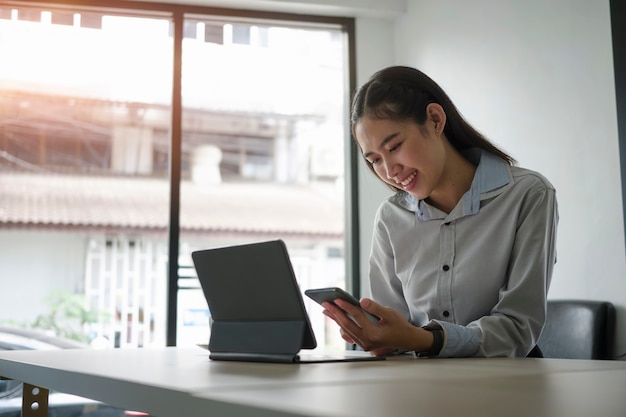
[{"x": 408, "y": 180}]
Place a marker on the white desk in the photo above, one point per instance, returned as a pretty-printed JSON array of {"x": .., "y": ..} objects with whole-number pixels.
[{"x": 175, "y": 382}]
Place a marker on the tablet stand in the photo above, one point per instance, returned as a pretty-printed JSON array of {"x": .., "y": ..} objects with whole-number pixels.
[{"x": 256, "y": 341}]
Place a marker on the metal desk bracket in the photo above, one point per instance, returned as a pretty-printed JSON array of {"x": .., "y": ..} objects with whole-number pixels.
[{"x": 34, "y": 401}]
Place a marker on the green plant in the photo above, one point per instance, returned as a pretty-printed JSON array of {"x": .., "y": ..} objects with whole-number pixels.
[{"x": 68, "y": 317}]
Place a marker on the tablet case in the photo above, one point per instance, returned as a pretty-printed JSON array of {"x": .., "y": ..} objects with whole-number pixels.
[{"x": 255, "y": 302}]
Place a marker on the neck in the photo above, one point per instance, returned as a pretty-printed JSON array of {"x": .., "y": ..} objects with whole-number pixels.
[{"x": 456, "y": 179}]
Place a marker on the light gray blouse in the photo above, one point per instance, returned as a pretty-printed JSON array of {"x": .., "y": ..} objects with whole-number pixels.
[{"x": 481, "y": 272}]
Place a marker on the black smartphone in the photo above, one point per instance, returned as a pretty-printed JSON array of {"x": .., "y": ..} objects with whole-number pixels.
[{"x": 330, "y": 294}]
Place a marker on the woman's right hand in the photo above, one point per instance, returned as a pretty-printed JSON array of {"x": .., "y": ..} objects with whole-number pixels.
[{"x": 391, "y": 333}]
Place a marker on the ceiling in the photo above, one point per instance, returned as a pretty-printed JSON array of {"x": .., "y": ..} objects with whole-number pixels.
[{"x": 346, "y": 8}]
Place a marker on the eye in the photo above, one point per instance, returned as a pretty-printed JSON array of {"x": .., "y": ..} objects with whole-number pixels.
[
  {"x": 373, "y": 161},
  {"x": 395, "y": 147}
]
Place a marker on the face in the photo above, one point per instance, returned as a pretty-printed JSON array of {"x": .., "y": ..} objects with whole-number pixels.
[{"x": 402, "y": 154}]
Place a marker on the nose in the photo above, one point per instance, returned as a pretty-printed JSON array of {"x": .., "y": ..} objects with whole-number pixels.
[{"x": 391, "y": 168}]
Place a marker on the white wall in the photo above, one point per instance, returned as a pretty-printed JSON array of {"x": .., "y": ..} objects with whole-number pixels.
[
  {"x": 537, "y": 78},
  {"x": 34, "y": 263},
  {"x": 374, "y": 50}
]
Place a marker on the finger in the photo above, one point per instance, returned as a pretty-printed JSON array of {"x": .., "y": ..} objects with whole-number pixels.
[
  {"x": 347, "y": 338},
  {"x": 341, "y": 318},
  {"x": 381, "y": 351},
  {"x": 373, "y": 307},
  {"x": 331, "y": 311},
  {"x": 354, "y": 311},
  {"x": 352, "y": 339},
  {"x": 343, "y": 333},
  {"x": 328, "y": 314}
]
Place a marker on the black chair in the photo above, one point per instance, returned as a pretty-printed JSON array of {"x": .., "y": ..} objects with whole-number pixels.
[{"x": 578, "y": 329}]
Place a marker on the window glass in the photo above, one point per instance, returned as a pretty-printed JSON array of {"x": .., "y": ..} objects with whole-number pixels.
[
  {"x": 85, "y": 142},
  {"x": 84, "y": 145},
  {"x": 263, "y": 137}
]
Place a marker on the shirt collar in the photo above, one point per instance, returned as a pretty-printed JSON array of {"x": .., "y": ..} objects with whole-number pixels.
[{"x": 492, "y": 174}]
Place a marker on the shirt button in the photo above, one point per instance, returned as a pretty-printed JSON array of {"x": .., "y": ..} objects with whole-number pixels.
[
  {"x": 445, "y": 267},
  {"x": 446, "y": 313}
]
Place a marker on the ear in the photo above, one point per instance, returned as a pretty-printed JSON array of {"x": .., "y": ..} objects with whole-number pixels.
[{"x": 436, "y": 117}]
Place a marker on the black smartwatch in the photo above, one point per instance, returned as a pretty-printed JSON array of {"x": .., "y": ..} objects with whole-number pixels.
[{"x": 437, "y": 333}]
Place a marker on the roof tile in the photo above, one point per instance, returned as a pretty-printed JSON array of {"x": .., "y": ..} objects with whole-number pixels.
[{"x": 143, "y": 203}]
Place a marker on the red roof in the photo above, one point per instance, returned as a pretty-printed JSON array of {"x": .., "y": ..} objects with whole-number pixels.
[{"x": 69, "y": 201}]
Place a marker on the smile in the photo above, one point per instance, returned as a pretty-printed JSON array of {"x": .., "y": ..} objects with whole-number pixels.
[{"x": 408, "y": 179}]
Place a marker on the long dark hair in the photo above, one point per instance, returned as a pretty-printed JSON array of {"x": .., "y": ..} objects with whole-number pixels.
[{"x": 402, "y": 93}]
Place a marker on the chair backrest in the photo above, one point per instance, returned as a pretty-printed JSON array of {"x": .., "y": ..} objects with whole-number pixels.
[{"x": 578, "y": 329}]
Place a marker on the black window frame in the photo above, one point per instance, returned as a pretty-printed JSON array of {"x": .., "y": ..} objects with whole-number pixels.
[{"x": 618, "y": 34}]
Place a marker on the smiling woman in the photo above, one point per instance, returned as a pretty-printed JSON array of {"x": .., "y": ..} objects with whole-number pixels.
[{"x": 463, "y": 253}]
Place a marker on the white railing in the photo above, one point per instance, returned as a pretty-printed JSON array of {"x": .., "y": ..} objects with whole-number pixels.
[{"x": 125, "y": 283}]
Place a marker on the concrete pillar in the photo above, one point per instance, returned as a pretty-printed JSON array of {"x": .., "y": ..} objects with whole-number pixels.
[
  {"x": 132, "y": 148},
  {"x": 205, "y": 165}
]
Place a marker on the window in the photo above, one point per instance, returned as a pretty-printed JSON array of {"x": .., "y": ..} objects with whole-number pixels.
[{"x": 108, "y": 185}]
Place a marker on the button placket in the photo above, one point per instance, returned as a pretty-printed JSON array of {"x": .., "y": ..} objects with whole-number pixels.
[{"x": 446, "y": 259}]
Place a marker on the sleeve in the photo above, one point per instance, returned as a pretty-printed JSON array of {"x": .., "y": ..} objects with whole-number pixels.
[
  {"x": 382, "y": 277},
  {"x": 515, "y": 322}
]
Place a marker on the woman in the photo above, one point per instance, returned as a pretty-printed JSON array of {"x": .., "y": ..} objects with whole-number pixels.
[{"x": 463, "y": 252}]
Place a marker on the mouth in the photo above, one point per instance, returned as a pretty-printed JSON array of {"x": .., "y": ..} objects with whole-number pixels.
[{"x": 408, "y": 180}]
